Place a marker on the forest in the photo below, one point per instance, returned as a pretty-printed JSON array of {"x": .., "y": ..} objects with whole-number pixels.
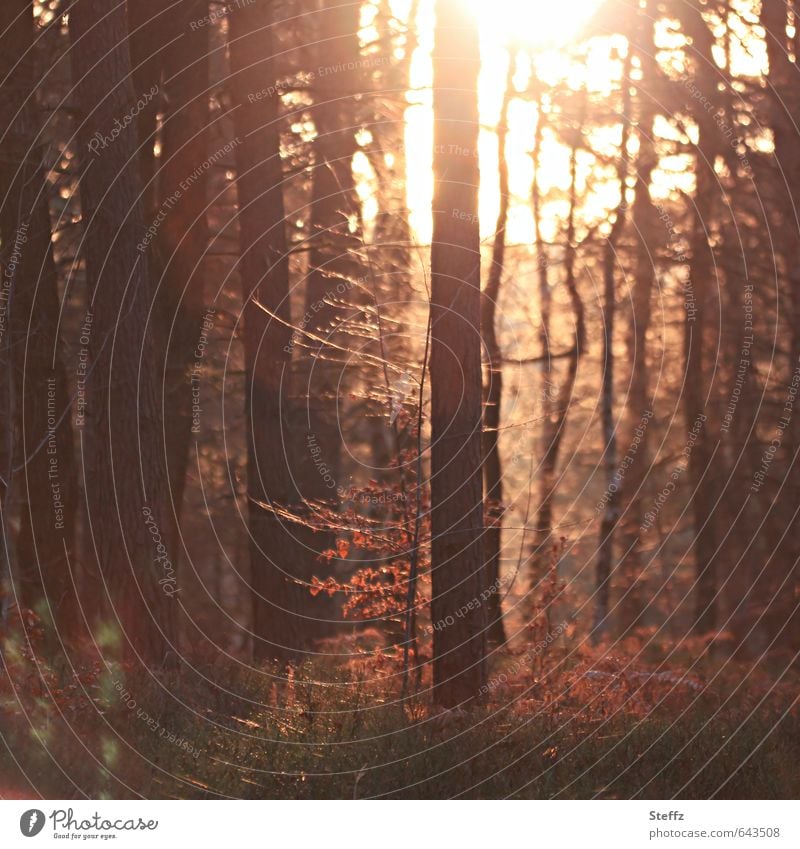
[{"x": 399, "y": 399}]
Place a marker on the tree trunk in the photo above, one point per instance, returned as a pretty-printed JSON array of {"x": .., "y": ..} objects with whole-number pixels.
[
  {"x": 149, "y": 26},
  {"x": 608, "y": 523},
  {"x": 639, "y": 411},
  {"x": 699, "y": 293},
  {"x": 334, "y": 267},
  {"x": 555, "y": 421},
  {"x": 47, "y": 489},
  {"x": 544, "y": 521},
  {"x": 183, "y": 237},
  {"x": 169, "y": 53},
  {"x": 276, "y": 562},
  {"x": 703, "y": 496},
  {"x": 457, "y": 567},
  {"x": 493, "y": 388},
  {"x": 127, "y": 517},
  {"x": 783, "y": 619}
]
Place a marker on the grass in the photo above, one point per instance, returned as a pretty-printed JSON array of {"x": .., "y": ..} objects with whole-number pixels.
[{"x": 575, "y": 736}]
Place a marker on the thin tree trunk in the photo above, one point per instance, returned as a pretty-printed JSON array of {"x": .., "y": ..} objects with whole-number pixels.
[
  {"x": 493, "y": 388},
  {"x": 334, "y": 267},
  {"x": 544, "y": 521},
  {"x": 639, "y": 411},
  {"x": 608, "y": 523},
  {"x": 740, "y": 448},
  {"x": 554, "y": 427},
  {"x": 335, "y": 239},
  {"x": 391, "y": 257},
  {"x": 742, "y": 551},
  {"x": 126, "y": 492},
  {"x": 703, "y": 497},
  {"x": 457, "y": 567}
]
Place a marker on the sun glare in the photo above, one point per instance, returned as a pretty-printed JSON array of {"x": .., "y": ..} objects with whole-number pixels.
[
  {"x": 535, "y": 23},
  {"x": 544, "y": 32}
]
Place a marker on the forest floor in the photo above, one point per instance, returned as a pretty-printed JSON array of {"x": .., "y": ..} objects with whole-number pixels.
[{"x": 604, "y": 729}]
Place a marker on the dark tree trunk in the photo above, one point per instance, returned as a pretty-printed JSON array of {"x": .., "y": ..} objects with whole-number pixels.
[
  {"x": 493, "y": 388},
  {"x": 699, "y": 293},
  {"x": 46, "y": 489},
  {"x": 742, "y": 552},
  {"x": 183, "y": 237},
  {"x": 169, "y": 53},
  {"x": 277, "y": 564},
  {"x": 149, "y": 25},
  {"x": 127, "y": 495},
  {"x": 782, "y": 597},
  {"x": 458, "y": 574}
]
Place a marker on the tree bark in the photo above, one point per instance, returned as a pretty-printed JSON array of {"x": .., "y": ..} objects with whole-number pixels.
[
  {"x": 608, "y": 523},
  {"x": 699, "y": 293},
  {"x": 457, "y": 567},
  {"x": 149, "y": 26},
  {"x": 169, "y": 53},
  {"x": 493, "y": 387},
  {"x": 633, "y": 602},
  {"x": 544, "y": 520},
  {"x": 183, "y": 237},
  {"x": 126, "y": 491},
  {"x": 279, "y": 580},
  {"x": 47, "y": 488},
  {"x": 703, "y": 496},
  {"x": 555, "y": 421},
  {"x": 335, "y": 243},
  {"x": 782, "y": 599}
]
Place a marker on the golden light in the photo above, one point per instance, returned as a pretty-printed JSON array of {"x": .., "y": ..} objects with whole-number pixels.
[
  {"x": 543, "y": 31},
  {"x": 532, "y": 23}
]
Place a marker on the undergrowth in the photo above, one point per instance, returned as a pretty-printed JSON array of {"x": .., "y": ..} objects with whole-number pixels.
[{"x": 598, "y": 727}]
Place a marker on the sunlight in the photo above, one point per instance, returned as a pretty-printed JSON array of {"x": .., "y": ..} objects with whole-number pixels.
[
  {"x": 532, "y": 23},
  {"x": 542, "y": 32}
]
